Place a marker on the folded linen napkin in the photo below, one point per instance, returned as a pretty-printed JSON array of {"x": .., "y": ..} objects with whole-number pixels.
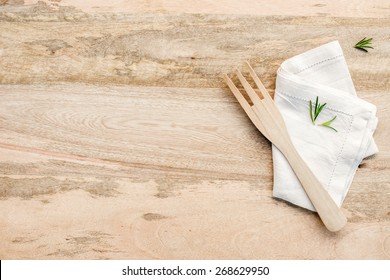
[{"x": 332, "y": 156}]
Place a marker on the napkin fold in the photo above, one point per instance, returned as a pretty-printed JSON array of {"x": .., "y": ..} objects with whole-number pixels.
[{"x": 332, "y": 156}]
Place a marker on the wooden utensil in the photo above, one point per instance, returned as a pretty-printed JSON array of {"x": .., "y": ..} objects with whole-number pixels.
[{"x": 266, "y": 117}]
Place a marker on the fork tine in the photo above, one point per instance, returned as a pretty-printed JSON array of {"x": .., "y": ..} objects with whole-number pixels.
[
  {"x": 251, "y": 92},
  {"x": 245, "y": 105},
  {"x": 258, "y": 83}
]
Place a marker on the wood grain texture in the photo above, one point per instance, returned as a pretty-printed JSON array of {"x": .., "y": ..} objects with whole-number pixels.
[
  {"x": 119, "y": 140},
  {"x": 40, "y": 45},
  {"x": 163, "y": 173},
  {"x": 352, "y": 8}
]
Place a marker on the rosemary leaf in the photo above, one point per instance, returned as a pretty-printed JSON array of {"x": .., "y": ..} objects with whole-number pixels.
[
  {"x": 319, "y": 110},
  {"x": 331, "y": 127},
  {"x": 362, "y": 40},
  {"x": 364, "y": 44},
  {"x": 315, "y": 109},
  {"x": 311, "y": 112},
  {"x": 327, "y": 123},
  {"x": 318, "y": 107}
]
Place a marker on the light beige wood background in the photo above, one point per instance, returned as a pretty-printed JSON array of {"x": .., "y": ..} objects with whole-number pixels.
[{"x": 119, "y": 140}]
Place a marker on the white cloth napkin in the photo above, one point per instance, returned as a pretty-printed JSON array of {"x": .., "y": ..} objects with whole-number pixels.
[{"x": 332, "y": 156}]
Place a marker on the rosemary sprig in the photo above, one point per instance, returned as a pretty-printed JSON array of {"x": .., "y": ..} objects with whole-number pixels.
[
  {"x": 364, "y": 44},
  {"x": 317, "y": 110}
]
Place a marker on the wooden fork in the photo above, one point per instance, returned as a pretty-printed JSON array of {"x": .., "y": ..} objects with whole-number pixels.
[{"x": 266, "y": 117}]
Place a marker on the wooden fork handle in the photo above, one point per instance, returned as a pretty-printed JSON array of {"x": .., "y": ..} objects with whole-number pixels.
[{"x": 330, "y": 214}]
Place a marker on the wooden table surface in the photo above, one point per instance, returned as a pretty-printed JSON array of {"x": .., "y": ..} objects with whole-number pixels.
[{"x": 119, "y": 139}]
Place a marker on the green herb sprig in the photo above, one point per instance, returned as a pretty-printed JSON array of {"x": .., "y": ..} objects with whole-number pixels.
[
  {"x": 364, "y": 44},
  {"x": 317, "y": 110}
]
